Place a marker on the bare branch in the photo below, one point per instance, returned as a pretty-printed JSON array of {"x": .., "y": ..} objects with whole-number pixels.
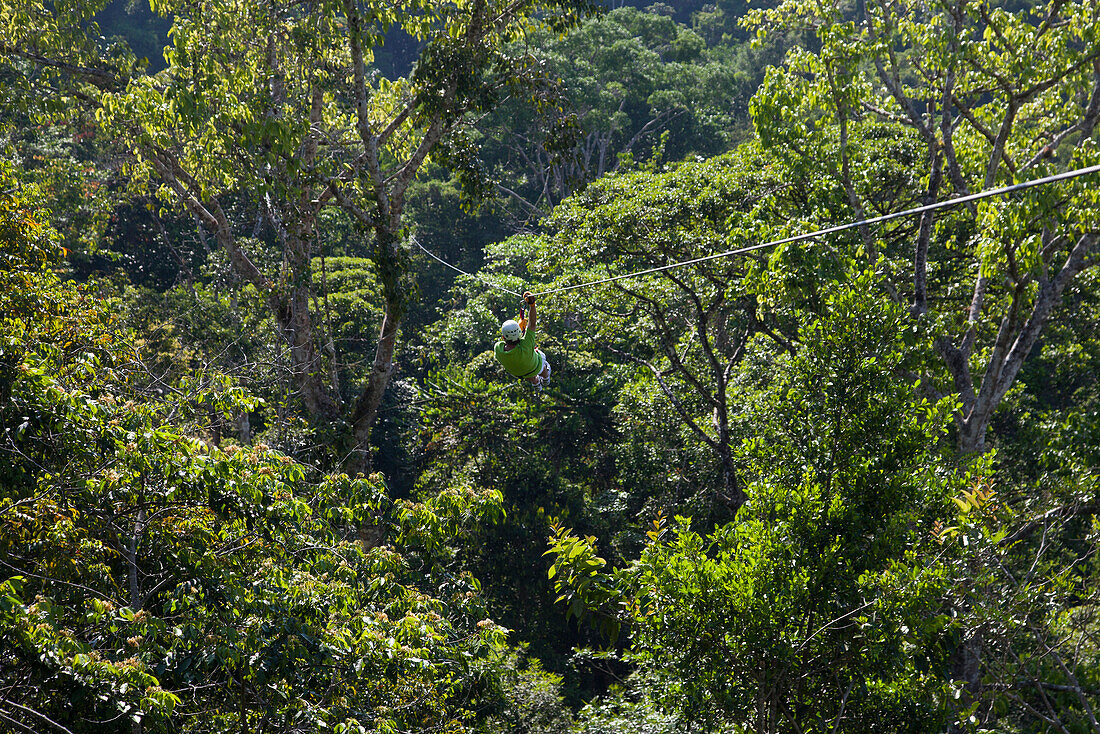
[
  {"x": 208, "y": 212},
  {"x": 1065, "y": 512},
  {"x": 39, "y": 714},
  {"x": 676, "y": 404},
  {"x": 531, "y": 208},
  {"x": 100, "y": 78}
]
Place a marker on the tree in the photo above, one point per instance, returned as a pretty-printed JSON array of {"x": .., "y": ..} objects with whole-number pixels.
[
  {"x": 547, "y": 458},
  {"x": 991, "y": 96},
  {"x": 1021, "y": 588},
  {"x": 636, "y": 86},
  {"x": 988, "y": 95},
  {"x": 686, "y": 329},
  {"x": 242, "y": 132},
  {"x": 50, "y": 52},
  {"x": 154, "y": 582},
  {"x": 818, "y": 608}
]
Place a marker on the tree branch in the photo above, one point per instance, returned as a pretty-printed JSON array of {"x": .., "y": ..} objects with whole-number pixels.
[
  {"x": 39, "y": 714},
  {"x": 209, "y": 213},
  {"x": 1065, "y": 512},
  {"x": 104, "y": 80},
  {"x": 1050, "y": 293},
  {"x": 676, "y": 404}
]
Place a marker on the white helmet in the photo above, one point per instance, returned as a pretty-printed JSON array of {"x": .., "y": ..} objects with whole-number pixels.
[{"x": 510, "y": 331}]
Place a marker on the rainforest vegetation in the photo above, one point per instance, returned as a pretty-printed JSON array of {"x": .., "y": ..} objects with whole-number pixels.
[{"x": 261, "y": 473}]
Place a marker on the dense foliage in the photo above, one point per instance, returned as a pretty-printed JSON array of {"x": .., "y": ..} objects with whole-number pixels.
[
  {"x": 154, "y": 577},
  {"x": 260, "y": 471}
]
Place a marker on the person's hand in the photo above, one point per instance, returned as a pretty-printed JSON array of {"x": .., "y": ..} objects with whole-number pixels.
[{"x": 529, "y": 298}]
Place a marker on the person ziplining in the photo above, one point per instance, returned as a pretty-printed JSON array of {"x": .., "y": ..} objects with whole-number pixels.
[
  {"x": 517, "y": 352},
  {"x": 522, "y": 359}
]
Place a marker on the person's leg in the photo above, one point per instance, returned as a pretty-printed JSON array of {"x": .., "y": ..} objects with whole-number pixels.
[{"x": 543, "y": 374}]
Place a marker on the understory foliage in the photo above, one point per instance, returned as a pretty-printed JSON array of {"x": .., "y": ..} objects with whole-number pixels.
[{"x": 153, "y": 579}]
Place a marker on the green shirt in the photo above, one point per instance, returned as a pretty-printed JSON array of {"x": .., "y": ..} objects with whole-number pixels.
[{"x": 520, "y": 361}]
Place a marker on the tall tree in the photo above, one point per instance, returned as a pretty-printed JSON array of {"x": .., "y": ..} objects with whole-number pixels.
[
  {"x": 685, "y": 330},
  {"x": 992, "y": 95},
  {"x": 979, "y": 95},
  {"x": 813, "y": 611},
  {"x": 638, "y": 85},
  {"x": 151, "y": 582},
  {"x": 269, "y": 112}
]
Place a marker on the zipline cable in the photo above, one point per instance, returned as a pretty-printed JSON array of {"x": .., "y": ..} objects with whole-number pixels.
[
  {"x": 839, "y": 228},
  {"x": 460, "y": 270}
]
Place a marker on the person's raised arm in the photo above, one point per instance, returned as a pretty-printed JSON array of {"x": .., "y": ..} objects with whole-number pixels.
[{"x": 530, "y": 310}]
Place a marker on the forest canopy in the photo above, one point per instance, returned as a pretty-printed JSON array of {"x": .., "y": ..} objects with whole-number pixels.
[{"x": 262, "y": 470}]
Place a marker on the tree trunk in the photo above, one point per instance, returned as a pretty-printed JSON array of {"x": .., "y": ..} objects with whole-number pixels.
[
  {"x": 244, "y": 428},
  {"x": 966, "y": 667},
  {"x": 924, "y": 237},
  {"x": 1015, "y": 340},
  {"x": 366, "y": 407},
  {"x": 392, "y": 268},
  {"x": 296, "y": 324}
]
